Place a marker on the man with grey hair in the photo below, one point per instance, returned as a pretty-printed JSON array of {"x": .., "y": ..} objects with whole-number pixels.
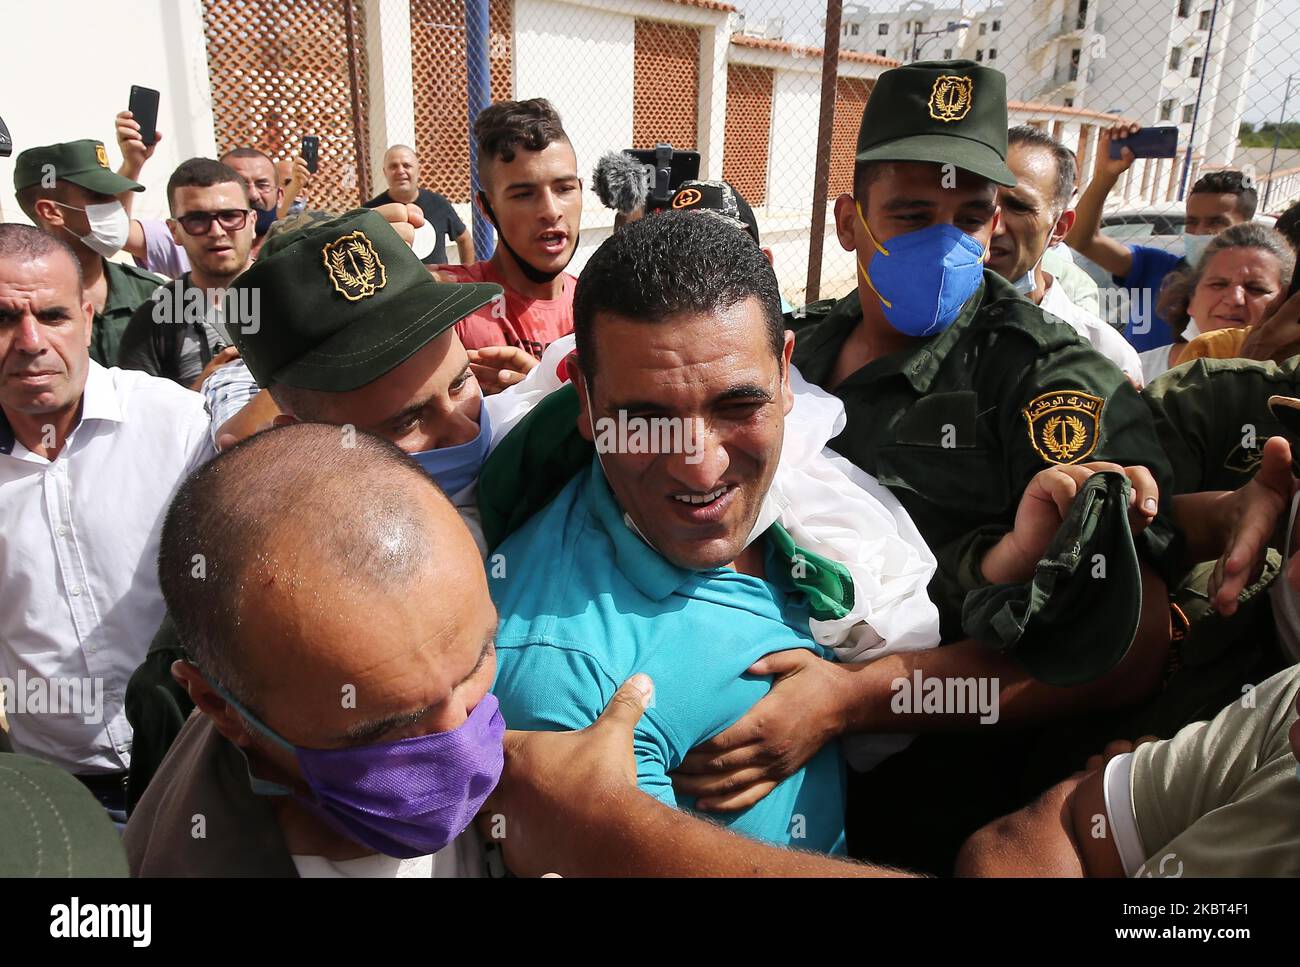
[
  {"x": 89, "y": 458},
  {"x": 1036, "y": 215}
]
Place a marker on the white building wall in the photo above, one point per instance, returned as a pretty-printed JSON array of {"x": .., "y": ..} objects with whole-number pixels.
[
  {"x": 587, "y": 75},
  {"x": 58, "y": 87}
]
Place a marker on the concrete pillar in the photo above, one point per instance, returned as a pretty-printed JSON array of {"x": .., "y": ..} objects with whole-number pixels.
[
  {"x": 389, "y": 83},
  {"x": 711, "y": 113},
  {"x": 1235, "y": 68}
]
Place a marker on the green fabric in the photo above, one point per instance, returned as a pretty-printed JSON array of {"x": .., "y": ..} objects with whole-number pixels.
[
  {"x": 544, "y": 451},
  {"x": 1049, "y": 624},
  {"x": 156, "y": 706},
  {"x": 945, "y": 112},
  {"x": 128, "y": 289},
  {"x": 53, "y": 826},
  {"x": 83, "y": 163},
  {"x": 1213, "y": 418},
  {"x": 828, "y": 584},
  {"x": 342, "y": 302},
  {"x": 943, "y": 425}
]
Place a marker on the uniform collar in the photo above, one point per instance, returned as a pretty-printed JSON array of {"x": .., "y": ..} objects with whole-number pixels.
[
  {"x": 119, "y": 297},
  {"x": 649, "y": 571}
]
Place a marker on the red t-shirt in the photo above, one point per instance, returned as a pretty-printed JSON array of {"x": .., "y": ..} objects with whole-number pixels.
[{"x": 530, "y": 324}]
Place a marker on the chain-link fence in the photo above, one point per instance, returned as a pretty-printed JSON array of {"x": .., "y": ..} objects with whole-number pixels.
[{"x": 744, "y": 85}]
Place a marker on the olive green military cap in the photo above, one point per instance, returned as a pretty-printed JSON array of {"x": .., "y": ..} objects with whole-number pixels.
[
  {"x": 53, "y": 826},
  {"x": 339, "y": 303},
  {"x": 1075, "y": 620},
  {"x": 83, "y": 163},
  {"x": 942, "y": 111}
]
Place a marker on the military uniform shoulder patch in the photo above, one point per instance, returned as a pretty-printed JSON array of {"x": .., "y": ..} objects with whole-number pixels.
[
  {"x": 1063, "y": 426},
  {"x": 1243, "y": 459},
  {"x": 951, "y": 97},
  {"x": 354, "y": 266}
]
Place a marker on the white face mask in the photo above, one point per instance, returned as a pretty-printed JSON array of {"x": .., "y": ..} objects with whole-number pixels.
[
  {"x": 1194, "y": 247},
  {"x": 109, "y": 227}
]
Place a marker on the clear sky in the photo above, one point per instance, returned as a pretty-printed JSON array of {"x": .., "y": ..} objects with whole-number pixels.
[{"x": 1277, "y": 49}]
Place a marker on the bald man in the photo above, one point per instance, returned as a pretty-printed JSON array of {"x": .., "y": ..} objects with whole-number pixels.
[{"x": 402, "y": 172}]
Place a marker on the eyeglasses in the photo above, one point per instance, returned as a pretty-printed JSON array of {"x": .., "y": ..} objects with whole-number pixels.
[{"x": 200, "y": 223}]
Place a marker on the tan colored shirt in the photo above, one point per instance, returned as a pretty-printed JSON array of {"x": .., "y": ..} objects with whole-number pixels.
[{"x": 1221, "y": 798}]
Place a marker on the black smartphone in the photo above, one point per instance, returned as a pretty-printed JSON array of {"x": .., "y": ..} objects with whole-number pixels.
[
  {"x": 6, "y": 142},
  {"x": 670, "y": 166},
  {"x": 1148, "y": 143},
  {"x": 144, "y": 108},
  {"x": 311, "y": 151}
]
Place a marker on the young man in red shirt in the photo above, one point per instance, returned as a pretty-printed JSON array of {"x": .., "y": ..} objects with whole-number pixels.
[{"x": 531, "y": 192}]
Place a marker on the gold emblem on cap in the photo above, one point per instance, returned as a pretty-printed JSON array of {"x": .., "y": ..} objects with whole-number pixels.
[
  {"x": 686, "y": 198},
  {"x": 1063, "y": 425},
  {"x": 951, "y": 97},
  {"x": 354, "y": 266},
  {"x": 101, "y": 155}
]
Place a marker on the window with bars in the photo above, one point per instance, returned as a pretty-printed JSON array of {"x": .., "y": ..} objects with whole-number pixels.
[
  {"x": 665, "y": 112},
  {"x": 748, "y": 130},
  {"x": 1175, "y": 58},
  {"x": 1166, "y": 109},
  {"x": 440, "y": 85},
  {"x": 279, "y": 70},
  {"x": 1188, "y": 110},
  {"x": 1205, "y": 21}
]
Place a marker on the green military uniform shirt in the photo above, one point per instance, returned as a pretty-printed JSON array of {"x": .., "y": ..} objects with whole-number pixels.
[
  {"x": 128, "y": 287},
  {"x": 1213, "y": 418},
  {"x": 957, "y": 426}
]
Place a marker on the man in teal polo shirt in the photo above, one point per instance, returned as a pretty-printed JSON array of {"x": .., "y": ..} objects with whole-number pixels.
[{"x": 644, "y": 563}]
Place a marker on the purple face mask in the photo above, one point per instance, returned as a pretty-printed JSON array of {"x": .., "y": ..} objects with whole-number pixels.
[{"x": 406, "y": 798}]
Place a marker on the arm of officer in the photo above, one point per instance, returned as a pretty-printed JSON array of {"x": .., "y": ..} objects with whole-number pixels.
[
  {"x": 1085, "y": 237},
  {"x": 136, "y": 351},
  {"x": 571, "y": 806}
]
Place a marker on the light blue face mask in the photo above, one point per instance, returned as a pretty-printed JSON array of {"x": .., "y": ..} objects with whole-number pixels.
[
  {"x": 1194, "y": 247},
  {"x": 455, "y": 468}
]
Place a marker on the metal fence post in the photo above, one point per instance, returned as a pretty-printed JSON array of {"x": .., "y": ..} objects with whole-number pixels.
[{"x": 825, "y": 126}]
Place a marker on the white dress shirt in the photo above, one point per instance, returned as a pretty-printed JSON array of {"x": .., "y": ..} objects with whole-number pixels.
[
  {"x": 1104, "y": 338},
  {"x": 79, "y": 594}
]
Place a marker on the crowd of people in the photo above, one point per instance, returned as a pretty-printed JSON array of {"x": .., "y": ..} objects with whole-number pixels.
[{"x": 321, "y": 555}]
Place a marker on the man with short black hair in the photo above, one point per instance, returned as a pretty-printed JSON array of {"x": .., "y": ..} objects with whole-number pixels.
[
  {"x": 89, "y": 458},
  {"x": 68, "y": 190},
  {"x": 1217, "y": 200},
  {"x": 532, "y": 194},
  {"x": 181, "y": 330},
  {"x": 402, "y": 172}
]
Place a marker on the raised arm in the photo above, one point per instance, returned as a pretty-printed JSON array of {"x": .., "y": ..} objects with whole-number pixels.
[{"x": 1086, "y": 237}]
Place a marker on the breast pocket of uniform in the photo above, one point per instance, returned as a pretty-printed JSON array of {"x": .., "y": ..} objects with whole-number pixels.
[{"x": 937, "y": 452}]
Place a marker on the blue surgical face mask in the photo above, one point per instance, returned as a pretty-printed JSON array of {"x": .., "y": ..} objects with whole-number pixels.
[
  {"x": 924, "y": 277},
  {"x": 1194, "y": 247},
  {"x": 455, "y": 468}
]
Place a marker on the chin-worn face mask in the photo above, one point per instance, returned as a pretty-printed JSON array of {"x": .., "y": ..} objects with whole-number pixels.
[
  {"x": 1194, "y": 247},
  {"x": 265, "y": 219},
  {"x": 109, "y": 227},
  {"x": 455, "y": 468},
  {"x": 530, "y": 271},
  {"x": 406, "y": 798},
  {"x": 924, "y": 277}
]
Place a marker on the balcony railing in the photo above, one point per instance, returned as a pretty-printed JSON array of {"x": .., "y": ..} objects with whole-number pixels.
[
  {"x": 1059, "y": 78},
  {"x": 1069, "y": 25}
]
